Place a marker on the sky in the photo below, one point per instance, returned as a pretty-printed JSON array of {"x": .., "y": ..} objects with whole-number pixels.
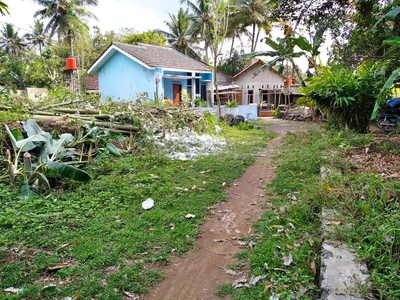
[{"x": 142, "y": 15}]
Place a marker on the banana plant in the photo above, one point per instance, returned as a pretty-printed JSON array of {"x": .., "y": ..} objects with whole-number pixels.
[
  {"x": 284, "y": 49},
  {"x": 50, "y": 153},
  {"x": 391, "y": 16},
  {"x": 98, "y": 139}
]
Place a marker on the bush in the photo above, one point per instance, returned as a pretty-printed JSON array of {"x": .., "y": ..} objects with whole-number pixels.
[{"x": 347, "y": 97}]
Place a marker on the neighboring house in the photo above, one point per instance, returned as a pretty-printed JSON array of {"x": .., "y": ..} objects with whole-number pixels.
[
  {"x": 128, "y": 72},
  {"x": 259, "y": 85},
  {"x": 92, "y": 84},
  {"x": 227, "y": 90}
]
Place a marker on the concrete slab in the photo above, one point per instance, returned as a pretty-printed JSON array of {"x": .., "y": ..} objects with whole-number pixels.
[{"x": 341, "y": 275}]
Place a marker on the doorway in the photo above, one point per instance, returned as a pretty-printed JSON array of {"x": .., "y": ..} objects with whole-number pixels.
[{"x": 176, "y": 90}]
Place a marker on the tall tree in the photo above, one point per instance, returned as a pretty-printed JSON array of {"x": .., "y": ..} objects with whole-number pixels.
[
  {"x": 219, "y": 12},
  {"x": 3, "y": 8},
  {"x": 11, "y": 42},
  {"x": 37, "y": 38},
  {"x": 255, "y": 13},
  {"x": 181, "y": 34},
  {"x": 148, "y": 37},
  {"x": 66, "y": 17},
  {"x": 201, "y": 21}
]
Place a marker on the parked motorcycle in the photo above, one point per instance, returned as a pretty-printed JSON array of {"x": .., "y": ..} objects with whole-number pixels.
[{"x": 389, "y": 121}]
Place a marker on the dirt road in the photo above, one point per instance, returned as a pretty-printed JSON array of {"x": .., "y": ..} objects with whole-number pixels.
[{"x": 198, "y": 275}]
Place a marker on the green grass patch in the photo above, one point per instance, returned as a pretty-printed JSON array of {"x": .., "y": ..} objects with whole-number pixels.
[
  {"x": 369, "y": 202},
  {"x": 100, "y": 228}
]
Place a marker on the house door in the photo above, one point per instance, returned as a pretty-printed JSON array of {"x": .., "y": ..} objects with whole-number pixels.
[
  {"x": 177, "y": 88},
  {"x": 239, "y": 96}
]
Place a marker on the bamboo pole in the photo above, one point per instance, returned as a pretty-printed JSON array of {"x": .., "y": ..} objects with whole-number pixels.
[{"x": 81, "y": 111}]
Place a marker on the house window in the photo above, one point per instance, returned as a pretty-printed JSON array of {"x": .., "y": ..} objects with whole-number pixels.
[
  {"x": 267, "y": 86},
  {"x": 248, "y": 87},
  {"x": 250, "y": 96},
  {"x": 253, "y": 86},
  {"x": 262, "y": 86}
]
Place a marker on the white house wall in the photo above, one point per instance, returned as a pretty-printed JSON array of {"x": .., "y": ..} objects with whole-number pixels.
[{"x": 266, "y": 79}]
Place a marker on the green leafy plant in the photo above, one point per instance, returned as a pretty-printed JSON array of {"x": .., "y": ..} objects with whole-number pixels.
[
  {"x": 232, "y": 104},
  {"x": 46, "y": 158},
  {"x": 347, "y": 97}
]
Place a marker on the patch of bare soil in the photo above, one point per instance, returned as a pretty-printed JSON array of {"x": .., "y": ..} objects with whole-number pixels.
[
  {"x": 201, "y": 272},
  {"x": 375, "y": 160},
  {"x": 199, "y": 275}
]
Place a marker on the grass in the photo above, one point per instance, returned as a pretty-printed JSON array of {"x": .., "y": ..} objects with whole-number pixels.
[
  {"x": 101, "y": 230},
  {"x": 292, "y": 227},
  {"x": 369, "y": 202}
]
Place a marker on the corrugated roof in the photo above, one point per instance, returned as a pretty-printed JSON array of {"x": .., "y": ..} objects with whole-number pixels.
[{"x": 156, "y": 56}]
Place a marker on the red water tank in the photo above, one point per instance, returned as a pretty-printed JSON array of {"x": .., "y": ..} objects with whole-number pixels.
[
  {"x": 289, "y": 81},
  {"x": 71, "y": 63}
]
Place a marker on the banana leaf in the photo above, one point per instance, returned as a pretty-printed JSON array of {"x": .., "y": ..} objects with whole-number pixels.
[
  {"x": 25, "y": 191},
  {"x": 388, "y": 84},
  {"x": 17, "y": 134},
  {"x": 113, "y": 150},
  {"x": 60, "y": 170},
  {"x": 13, "y": 139},
  {"x": 44, "y": 183},
  {"x": 393, "y": 42},
  {"x": 392, "y": 15},
  {"x": 302, "y": 43}
]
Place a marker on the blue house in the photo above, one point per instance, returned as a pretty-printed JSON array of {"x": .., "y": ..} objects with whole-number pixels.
[{"x": 127, "y": 71}]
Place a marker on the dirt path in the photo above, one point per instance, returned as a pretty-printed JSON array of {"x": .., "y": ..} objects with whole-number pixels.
[{"x": 198, "y": 275}]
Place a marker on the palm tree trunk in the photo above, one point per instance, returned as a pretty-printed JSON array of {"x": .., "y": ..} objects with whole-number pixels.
[
  {"x": 252, "y": 37},
  {"x": 233, "y": 42},
  {"x": 71, "y": 46},
  {"x": 256, "y": 41},
  {"x": 206, "y": 47}
]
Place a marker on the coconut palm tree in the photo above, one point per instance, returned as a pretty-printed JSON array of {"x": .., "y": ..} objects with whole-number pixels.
[
  {"x": 66, "y": 17},
  {"x": 255, "y": 13},
  {"x": 37, "y": 38},
  {"x": 181, "y": 35},
  {"x": 3, "y": 8},
  {"x": 201, "y": 20},
  {"x": 11, "y": 42}
]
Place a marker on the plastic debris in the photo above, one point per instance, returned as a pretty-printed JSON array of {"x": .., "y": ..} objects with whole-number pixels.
[
  {"x": 190, "y": 216},
  {"x": 13, "y": 290},
  {"x": 256, "y": 279},
  {"x": 148, "y": 204},
  {"x": 287, "y": 260}
]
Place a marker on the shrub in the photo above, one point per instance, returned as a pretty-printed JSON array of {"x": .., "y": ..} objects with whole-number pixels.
[{"x": 347, "y": 97}]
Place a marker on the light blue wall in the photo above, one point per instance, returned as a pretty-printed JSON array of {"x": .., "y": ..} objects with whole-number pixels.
[
  {"x": 168, "y": 84},
  {"x": 121, "y": 78},
  {"x": 248, "y": 111}
]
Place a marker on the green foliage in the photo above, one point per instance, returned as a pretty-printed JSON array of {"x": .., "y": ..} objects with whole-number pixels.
[
  {"x": 348, "y": 97},
  {"x": 3, "y": 8},
  {"x": 102, "y": 228},
  {"x": 291, "y": 227},
  {"x": 147, "y": 37},
  {"x": 232, "y": 104},
  {"x": 233, "y": 65}
]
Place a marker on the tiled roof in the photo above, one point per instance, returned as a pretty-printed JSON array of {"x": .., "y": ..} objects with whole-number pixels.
[{"x": 156, "y": 56}]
